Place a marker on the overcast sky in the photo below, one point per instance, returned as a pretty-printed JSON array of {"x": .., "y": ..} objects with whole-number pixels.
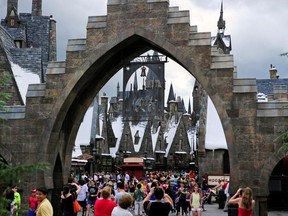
[{"x": 258, "y": 30}]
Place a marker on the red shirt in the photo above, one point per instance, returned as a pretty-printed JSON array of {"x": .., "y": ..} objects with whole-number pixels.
[
  {"x": 33, "y": 202},
  {"x": 104, "y": 207}
]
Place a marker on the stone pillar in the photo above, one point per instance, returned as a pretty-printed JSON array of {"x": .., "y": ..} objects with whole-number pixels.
[
  {"x": 53, "y": 40},
  {"x": 261, "y": 206},
  {"x": 36, "y": 7}
]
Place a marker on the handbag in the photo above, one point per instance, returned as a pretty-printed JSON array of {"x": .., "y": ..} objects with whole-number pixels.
[{"x": 76, "y": 206}]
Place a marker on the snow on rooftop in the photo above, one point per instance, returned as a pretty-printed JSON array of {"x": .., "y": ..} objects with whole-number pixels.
[
  {"x": 191, "y": 138},
  {"x": 76, "y": 152},
  {"x": 117, "y": 126},
  {"x": 23, "y": 78},
  {"x": 154, "y": 137},
  {"x": 215, "y": 138},
  {"x": 140, "y": 127},
  {"x": 170, "y": 133},
  {"x": 226, "y": 40},
  {"x": 83, "y": 138}
]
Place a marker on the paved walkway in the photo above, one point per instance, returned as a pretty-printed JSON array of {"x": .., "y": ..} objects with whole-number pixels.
[{"x": 212, "y": 210}]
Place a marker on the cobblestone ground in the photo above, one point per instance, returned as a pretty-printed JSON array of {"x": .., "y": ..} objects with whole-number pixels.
[{"x": 212, "y": 210}]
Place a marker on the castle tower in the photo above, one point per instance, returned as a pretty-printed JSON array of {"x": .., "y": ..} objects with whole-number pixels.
[
  {"x": 36, "y": 7},
  {"x": 223, "y": 42},
  {"x": 171, "y": 95},
  {"x": 12, "y": 18},
  {"x": 221, "y": 21},
  {"x": 10, "y": 5}
]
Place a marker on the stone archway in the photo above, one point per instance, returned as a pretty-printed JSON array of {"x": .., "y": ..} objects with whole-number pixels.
[{"x": 55, "y": 109}]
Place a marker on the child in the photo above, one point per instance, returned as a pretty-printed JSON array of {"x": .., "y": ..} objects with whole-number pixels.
[{"x": 138, "y": 196}]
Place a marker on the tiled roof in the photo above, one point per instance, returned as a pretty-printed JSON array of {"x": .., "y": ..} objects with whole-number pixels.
[{"x": 266, "y": 85}]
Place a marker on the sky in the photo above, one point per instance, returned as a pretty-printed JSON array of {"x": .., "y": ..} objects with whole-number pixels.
[{"x": 258, "y": 30}]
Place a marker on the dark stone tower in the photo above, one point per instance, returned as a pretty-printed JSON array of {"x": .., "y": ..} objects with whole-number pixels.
[
  {"x": 10, "y": 5},
  {"x": 36, "y": 7}
]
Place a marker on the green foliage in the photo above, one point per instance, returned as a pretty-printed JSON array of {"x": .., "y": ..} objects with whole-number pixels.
[
  {"x": 283, "y": 139},
  {"x": 14, "y": 175}
]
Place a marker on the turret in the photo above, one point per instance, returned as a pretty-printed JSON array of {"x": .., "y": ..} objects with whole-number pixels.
[
  {"x": 273, "y": 72},
  {"x": 221, "y": 21},
  {"x": 10, "y": 5},
  {"x": 53, "y": 41},
  {"x": 36, "y": 7}
]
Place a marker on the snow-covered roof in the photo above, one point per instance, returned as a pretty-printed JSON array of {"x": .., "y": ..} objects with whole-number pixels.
[
  {"x": 170, "y": 133},
  {"x": 23, "y": 78},
  {"x": 215, "y": 138},
  {"x": 117, "y": 126},
  {"x": 154, "y": 137},
  {"x": 140, "y": 128},
  {"x": 76, "y": 151},
  {"x": 83, "y": 138}
]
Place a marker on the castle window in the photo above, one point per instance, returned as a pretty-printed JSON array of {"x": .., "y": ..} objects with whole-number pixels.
[
  {"x": 12, "y": 22},
  {"x": 137, "y": 137},
  {"x": 18, "y": 44},
  {"x": 180, "y": 145}
]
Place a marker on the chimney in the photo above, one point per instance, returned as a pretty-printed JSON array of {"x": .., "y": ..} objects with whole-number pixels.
[
  {"x": 36, "y": 7},
  {"x": 11, "y": 4},
  {"x": 273, "y": 72}
]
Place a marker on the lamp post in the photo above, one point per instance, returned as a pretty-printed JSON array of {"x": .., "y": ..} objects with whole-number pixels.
[
  {"x": 94, "y": 152},
  {"x": 143, "y": 74}
]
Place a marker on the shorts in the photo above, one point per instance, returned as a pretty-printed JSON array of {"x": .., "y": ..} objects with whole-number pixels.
[
  {"x": 196, "y": 209},
  {"x": 91, "y": 202}
]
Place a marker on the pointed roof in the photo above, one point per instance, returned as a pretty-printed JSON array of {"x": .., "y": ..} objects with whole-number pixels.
[
  {"x": 189, "y": 107},
  {"x": 135, "y": 85},
  {"x": 171, "y": 96},
  {"x": 221, "y": 21}
]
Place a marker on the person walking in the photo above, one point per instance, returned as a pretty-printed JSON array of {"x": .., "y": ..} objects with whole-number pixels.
[
  {"x": 139, "y": 196},
  {"x": 67, "y": 199},
  {"x": 82, "y": 195},
  {"x": 245, "y": 201},
  {"x": 195, "y": 202},
  {"x": 44, "y": 208},
  {"x": 104, "y": 205}
]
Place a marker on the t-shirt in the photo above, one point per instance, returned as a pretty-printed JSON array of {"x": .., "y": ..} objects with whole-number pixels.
[
  {"x": 92, "y": 191},
  {"x": 104, "y": 207},
  {"x": 33, "y": 202},
  {"x": 118, "y": 211},
  {"x": 157, "y": 208},
  {"x": 119, "y": 195},
  {"x": 44, "y": 208},
  {"x": 139, "y": 195},
  {"x": 82, "y": 194}
]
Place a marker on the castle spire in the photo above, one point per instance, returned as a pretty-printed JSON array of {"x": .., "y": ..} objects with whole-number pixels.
[
  {"x": 12, "y": 4},
  {"x": 171, "y": 96},
  {"x": 221, "y": 21},
  {"x": 189, "y": 107},
  {"x": 135, "y": 85},
  {"x": 37, "y": 7}
]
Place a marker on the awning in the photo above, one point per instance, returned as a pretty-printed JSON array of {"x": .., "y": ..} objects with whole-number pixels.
[{"x": 85, "y": 156}]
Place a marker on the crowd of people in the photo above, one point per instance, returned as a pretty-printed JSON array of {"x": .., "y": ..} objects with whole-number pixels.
[
  {"x": 117, "y": 194},
  {"x": 155, "y": 193}
]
